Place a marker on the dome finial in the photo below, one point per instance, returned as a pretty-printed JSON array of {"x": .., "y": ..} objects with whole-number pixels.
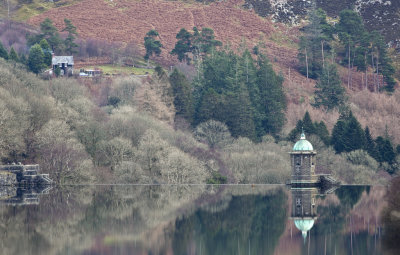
[{"x": 302, "y": 136}]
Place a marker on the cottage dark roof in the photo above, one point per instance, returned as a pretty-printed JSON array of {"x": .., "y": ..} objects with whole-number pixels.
[{"x": 69, "y": 60}]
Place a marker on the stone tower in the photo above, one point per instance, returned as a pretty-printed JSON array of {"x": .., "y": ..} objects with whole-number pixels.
[{"x": 303, "y": 162}]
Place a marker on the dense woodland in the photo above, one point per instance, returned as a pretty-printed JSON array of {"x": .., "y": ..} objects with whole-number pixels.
[{"x": 219, "y": 119}]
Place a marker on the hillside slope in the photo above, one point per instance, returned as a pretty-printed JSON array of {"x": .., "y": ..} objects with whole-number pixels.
[
  {"x": 381, "y": 15},
  {"x": 126, "y": 21}
]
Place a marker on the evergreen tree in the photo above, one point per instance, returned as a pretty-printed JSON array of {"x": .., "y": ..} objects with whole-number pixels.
[
  {"x": 240, "y": 114},
  {"x": 328, "y": 90},
  {"x": 70, "y": 45},
  {"x": 211, "y": 106},
  {"x": 308, "y": 125},
  {"x": 183, "y": 99},
  {"x": 350, "y": 30},
  {"x": 46, "y": 52},
  {"x": 248, "y": 97},
  {"x": 382, "y": 63},
  {"x": 36, "y": 59},
  {"x": 183, "y": 46},
  {"x": 370, "y": 145},
  {"x": 13, "y": 55},
  {"x": 385, "y": 150},
  {"x": 3, "y": 52},
  {"x": 22, "y": 59},
  {"x": 204, "y": 41},
  {"x": 338, "y": 133},
  {"x": 315, "y": 44},
  {"x": 309, "y": 128},
  {"x": 347, "y": 134},
  {"x": 152, "y": 45},
  {"x": 295, "y": 132},
  {"x": 273, "y": 100},
  {"x": 322, "y": 131},
  {"x": 398, "y": 149},
  {"x": 354, "y": 135},
  {"x": 50, "y": 33}
]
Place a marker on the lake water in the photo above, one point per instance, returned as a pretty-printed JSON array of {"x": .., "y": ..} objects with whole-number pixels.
[{"x": 197, "y": 219}]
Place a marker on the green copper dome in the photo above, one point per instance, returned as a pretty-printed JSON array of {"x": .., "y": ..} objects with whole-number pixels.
[{"x": 303, "y": 144}]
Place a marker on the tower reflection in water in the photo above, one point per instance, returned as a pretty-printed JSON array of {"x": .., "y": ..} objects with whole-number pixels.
[{"x": 304, "y": 211}]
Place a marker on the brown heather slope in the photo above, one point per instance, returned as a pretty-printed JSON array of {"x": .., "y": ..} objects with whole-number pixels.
[
  {"x": 130, "y": 20},
  {"x": 125, "y": 21}
]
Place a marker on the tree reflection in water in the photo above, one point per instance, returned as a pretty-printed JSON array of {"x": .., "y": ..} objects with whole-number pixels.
[
  {"x": 201, "y": 219},
  {"x": 391, "y": 219}
]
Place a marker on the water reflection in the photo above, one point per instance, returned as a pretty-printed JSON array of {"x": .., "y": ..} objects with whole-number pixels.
[
  {"x": 345, "y": 222},
  {"x": 391, "y": 219},
  {"x": 29, "y": 195},
  {"x": 304, "y": 211},
  {"x": 195, "y": 220}
]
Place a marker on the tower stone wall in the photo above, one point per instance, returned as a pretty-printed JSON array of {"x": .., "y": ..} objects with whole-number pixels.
[{"x": 303, "y": 166}]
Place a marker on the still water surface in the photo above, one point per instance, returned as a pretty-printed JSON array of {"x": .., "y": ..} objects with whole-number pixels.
[{"x": 237, "y": 219}]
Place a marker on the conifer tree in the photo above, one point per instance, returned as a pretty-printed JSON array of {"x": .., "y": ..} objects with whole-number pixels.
[
  {"x": 370, "y": 145},
  {"x": 240, "y": 114},
  {"x": 347, "y": 134},
  {"x": 308, "y": 125},
  {"x": 152, "y": 45},
  {"x": 46, "y": 52},
  {"x": 204, "y": 41},
  {"x": 247, "y": 97},
  {"x": 69, "y": 42},
  {"x": 3, "y": 52},
  {"x": 385, "y": 150},
  {"x": 183, "y": 99},
  {"x": 338, "y": 133},
  {"x": 50, "y": 33},
  {"x": 328, "y": 90},
  {"x": 183, "y": 46},
  {"x": 354, "y": 135},
  {"x": 309, "y": 128},
  {"x": 273, "y": 101},
  {"x": 314, "y": 46},
  {"x": 13, "y": 55},
  {"x": 322, "y": 131},
  {"x": 36, "y": 59},
  {"x": 22, "y": 59}
]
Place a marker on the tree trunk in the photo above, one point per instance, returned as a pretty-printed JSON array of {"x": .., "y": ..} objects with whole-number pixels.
[
  {"x": 323, "y": 56},
  {"x": 352, "y": 66},
  {"x": 373, "y": 66},
  {"x": 366, "y": 70},
  {"x": 306, "y": 62},
  {"x": 377, "y": 71},
  {"x": 348, "y": 76}
]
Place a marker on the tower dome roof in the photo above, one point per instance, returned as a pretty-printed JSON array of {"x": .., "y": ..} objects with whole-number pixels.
[{"x": 303, "y": 144}]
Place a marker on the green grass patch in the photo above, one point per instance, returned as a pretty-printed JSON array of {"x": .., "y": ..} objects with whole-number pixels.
[
  {"x": 114, "y": 69},
  {"x": 282, "y": 39},
  {"x": 37, "y": 7}
]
